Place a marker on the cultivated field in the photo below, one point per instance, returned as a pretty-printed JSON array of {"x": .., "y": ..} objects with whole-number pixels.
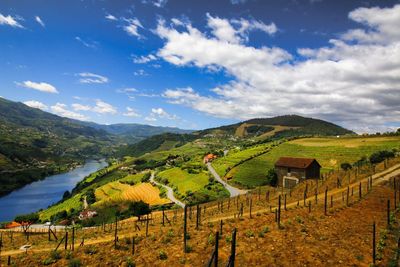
[
  {"x": 183, "y": 180},
  {"x": 330, "y": 153},
  {"x": 117, "y": 192}
]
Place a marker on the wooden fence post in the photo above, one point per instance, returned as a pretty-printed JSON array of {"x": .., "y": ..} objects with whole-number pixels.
[
  {"x": 216, "y": 249},
  {"x": 147, "y": 225},
  {"x": 373, "y": 244},
  {"x": 388, "y": 213},
  {"x": 220, "y": 226},
  {"x": 116, "y": 232},
  {"x": 348, "y": 192},
  {"x": 285, "y": 202},
  {"x": 251, "y": 204},
  {"x": 326, "y": 200},
  {"x": 184, "y": 229},
  {"x": 309, "y": 206},
  {"x": 331, "y": 201},
  {"x": 231, "y": 262},
  {"x": 133, "y": 245},
  {"x": 73, "y": 239},
  {"x": 279, "y": 211},
  {"x": 66, "y": 241}
]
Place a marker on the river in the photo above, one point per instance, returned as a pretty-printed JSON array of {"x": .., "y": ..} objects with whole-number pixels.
[{"x": 41, "y": 194}]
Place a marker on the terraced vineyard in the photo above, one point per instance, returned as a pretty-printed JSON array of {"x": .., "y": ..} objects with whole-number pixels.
[
  {"x": 330, "y": 153},
  {"x": 116, "y": 192}
]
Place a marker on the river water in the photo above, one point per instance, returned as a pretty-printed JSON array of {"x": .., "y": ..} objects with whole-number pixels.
[{"x": 41, "y": 194}]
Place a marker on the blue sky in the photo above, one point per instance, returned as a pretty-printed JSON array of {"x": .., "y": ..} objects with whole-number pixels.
[{"x": 200, "y": 64}]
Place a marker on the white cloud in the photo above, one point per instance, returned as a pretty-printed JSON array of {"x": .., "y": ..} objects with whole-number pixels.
[
  {"x": 157, "y": 3},
  {"x": 161, "y": 113},
  {"x": 62, "y": 110},
  {"x": 80, "y": 107},
  {"x": 41, "y": 86},
  {"x": 103, "y": 107},
  {"x": 150, "y": 118},
  {"x": 88, "y": 77},
  {"x": 10, "y": 21},
  {"x": 130, "y": 112},
  {"x": 36, "y": 104},
  {"x": 132, "y": 27},
  {"x": 89, "y": 44},
  {"x": 144, "y": 59},
  {"x": 111, "y": 17},
  {"x": 236, "y": 31},
  {"x": 353, "y": 83},
  {"x": 40, "y": 21}
]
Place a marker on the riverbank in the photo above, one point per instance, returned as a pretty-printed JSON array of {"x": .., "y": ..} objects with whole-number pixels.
[{"x": 45, "y": 192}]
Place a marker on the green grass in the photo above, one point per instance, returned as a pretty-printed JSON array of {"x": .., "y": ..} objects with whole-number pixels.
[
  {"x": 72, "y": 203},
  {"x": 330, "y": 153},
  {"x": 133, "y": 178},
  {"x": 185, "y": 181},
  {"x": 234, "y": 157}
]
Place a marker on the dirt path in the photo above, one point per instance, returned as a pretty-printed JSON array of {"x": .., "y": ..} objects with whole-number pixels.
[
  {"x": 170, "y": 191},
  {"x": 232, "y": 190}
]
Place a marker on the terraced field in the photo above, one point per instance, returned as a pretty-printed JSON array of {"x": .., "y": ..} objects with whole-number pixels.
[
  {"x": 183, "y": 180},
  {"x": 330, "y": 153},
  {"x": 116, "y": 192}
]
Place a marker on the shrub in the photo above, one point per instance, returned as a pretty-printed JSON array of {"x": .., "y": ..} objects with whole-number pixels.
[
  {"x": 48, "y": 261},
  {"x": 74, "y": 263},
  {"x": 249, "y": 233},
  {"x": 272, "y": 177},
  {"x": 55, "y": 255},
  {"x": 130, "y": 262},
  {"x": 162, "y": 255},
  {"x": 188, "y": 249},
  {"x": 345, "y": 166},
  {"x": 90, "y": 250},
  {"x": 211, "y": 239}
]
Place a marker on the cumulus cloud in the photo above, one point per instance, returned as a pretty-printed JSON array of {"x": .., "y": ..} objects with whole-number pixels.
[
  {"x": 104, "y": 108},
  {"x": 80, "y": 107},
  {"x": 354, "y": 80},
  {"x": 62, "y": 110},
  {"x": 130, "y": 112},
  {"x": 10, "y": 21},
  {"x": 160, "y": 113},
  {"x": 237, "y": 30},
  {"x": 40, "y": 21},
  {"x": 140, "y": 72},
  {"x": 36, "y": 104},
  {"x": 88, "y": 77},
  {"x": 39, "y": 86}
]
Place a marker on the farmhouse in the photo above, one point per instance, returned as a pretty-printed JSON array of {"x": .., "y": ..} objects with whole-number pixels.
[
  {"x": 87, "y": 214},
  {"x": 291, "y": 171},
  {"x": 209, "y": 158}
]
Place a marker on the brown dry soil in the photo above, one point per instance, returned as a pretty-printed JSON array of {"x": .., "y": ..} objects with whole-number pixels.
[{"x": 343, "y": 237}]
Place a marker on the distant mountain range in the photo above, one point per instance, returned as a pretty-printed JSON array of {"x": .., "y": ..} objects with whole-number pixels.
[{"x": 35, "y": 143}]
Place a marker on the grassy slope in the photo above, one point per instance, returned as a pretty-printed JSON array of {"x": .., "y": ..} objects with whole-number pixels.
[
  {"x": 183, "y": 180},
  {"x": 330, "y": 153}
]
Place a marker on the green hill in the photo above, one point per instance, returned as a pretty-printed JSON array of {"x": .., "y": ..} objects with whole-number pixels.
[
  {"x": 282, "y": 126},
  {"x": 132, "y": 132},
  {"x": 34, "y": 143}
]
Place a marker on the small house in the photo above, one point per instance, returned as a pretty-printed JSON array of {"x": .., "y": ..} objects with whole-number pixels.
[
  {"x": 291, "y": 171},
  {"x": 12, "y": 225},
  {"x": 209, "y": 158},
  {"x": 87, "y": 214}
]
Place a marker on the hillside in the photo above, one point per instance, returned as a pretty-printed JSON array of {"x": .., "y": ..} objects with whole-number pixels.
[
  {"x": 282, "y": 126},
  {"x": 132, "y": 132},
  {"x": 34, "y": 143}
]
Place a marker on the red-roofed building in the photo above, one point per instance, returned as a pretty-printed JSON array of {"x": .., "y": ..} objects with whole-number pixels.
[
  {"x": 12, "y": 225},
  {"x": 209, "y": 158},
  {"x": 292, "y": 171}
]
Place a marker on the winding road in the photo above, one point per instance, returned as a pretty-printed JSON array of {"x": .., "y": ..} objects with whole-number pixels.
[
  {"x": 170, "y": 191},
  {"x": 232, "y": 190}
]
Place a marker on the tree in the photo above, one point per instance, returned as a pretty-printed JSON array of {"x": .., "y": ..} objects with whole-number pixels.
[
  {"x": 380, "y": 156},
  {"x": 346, "y": 166},
  {"x": 66, "y": 195},
  {"x": 272, "y": 177},
  {"x": 139, "y": 208},
  {"x": 26, "y": 221}
]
